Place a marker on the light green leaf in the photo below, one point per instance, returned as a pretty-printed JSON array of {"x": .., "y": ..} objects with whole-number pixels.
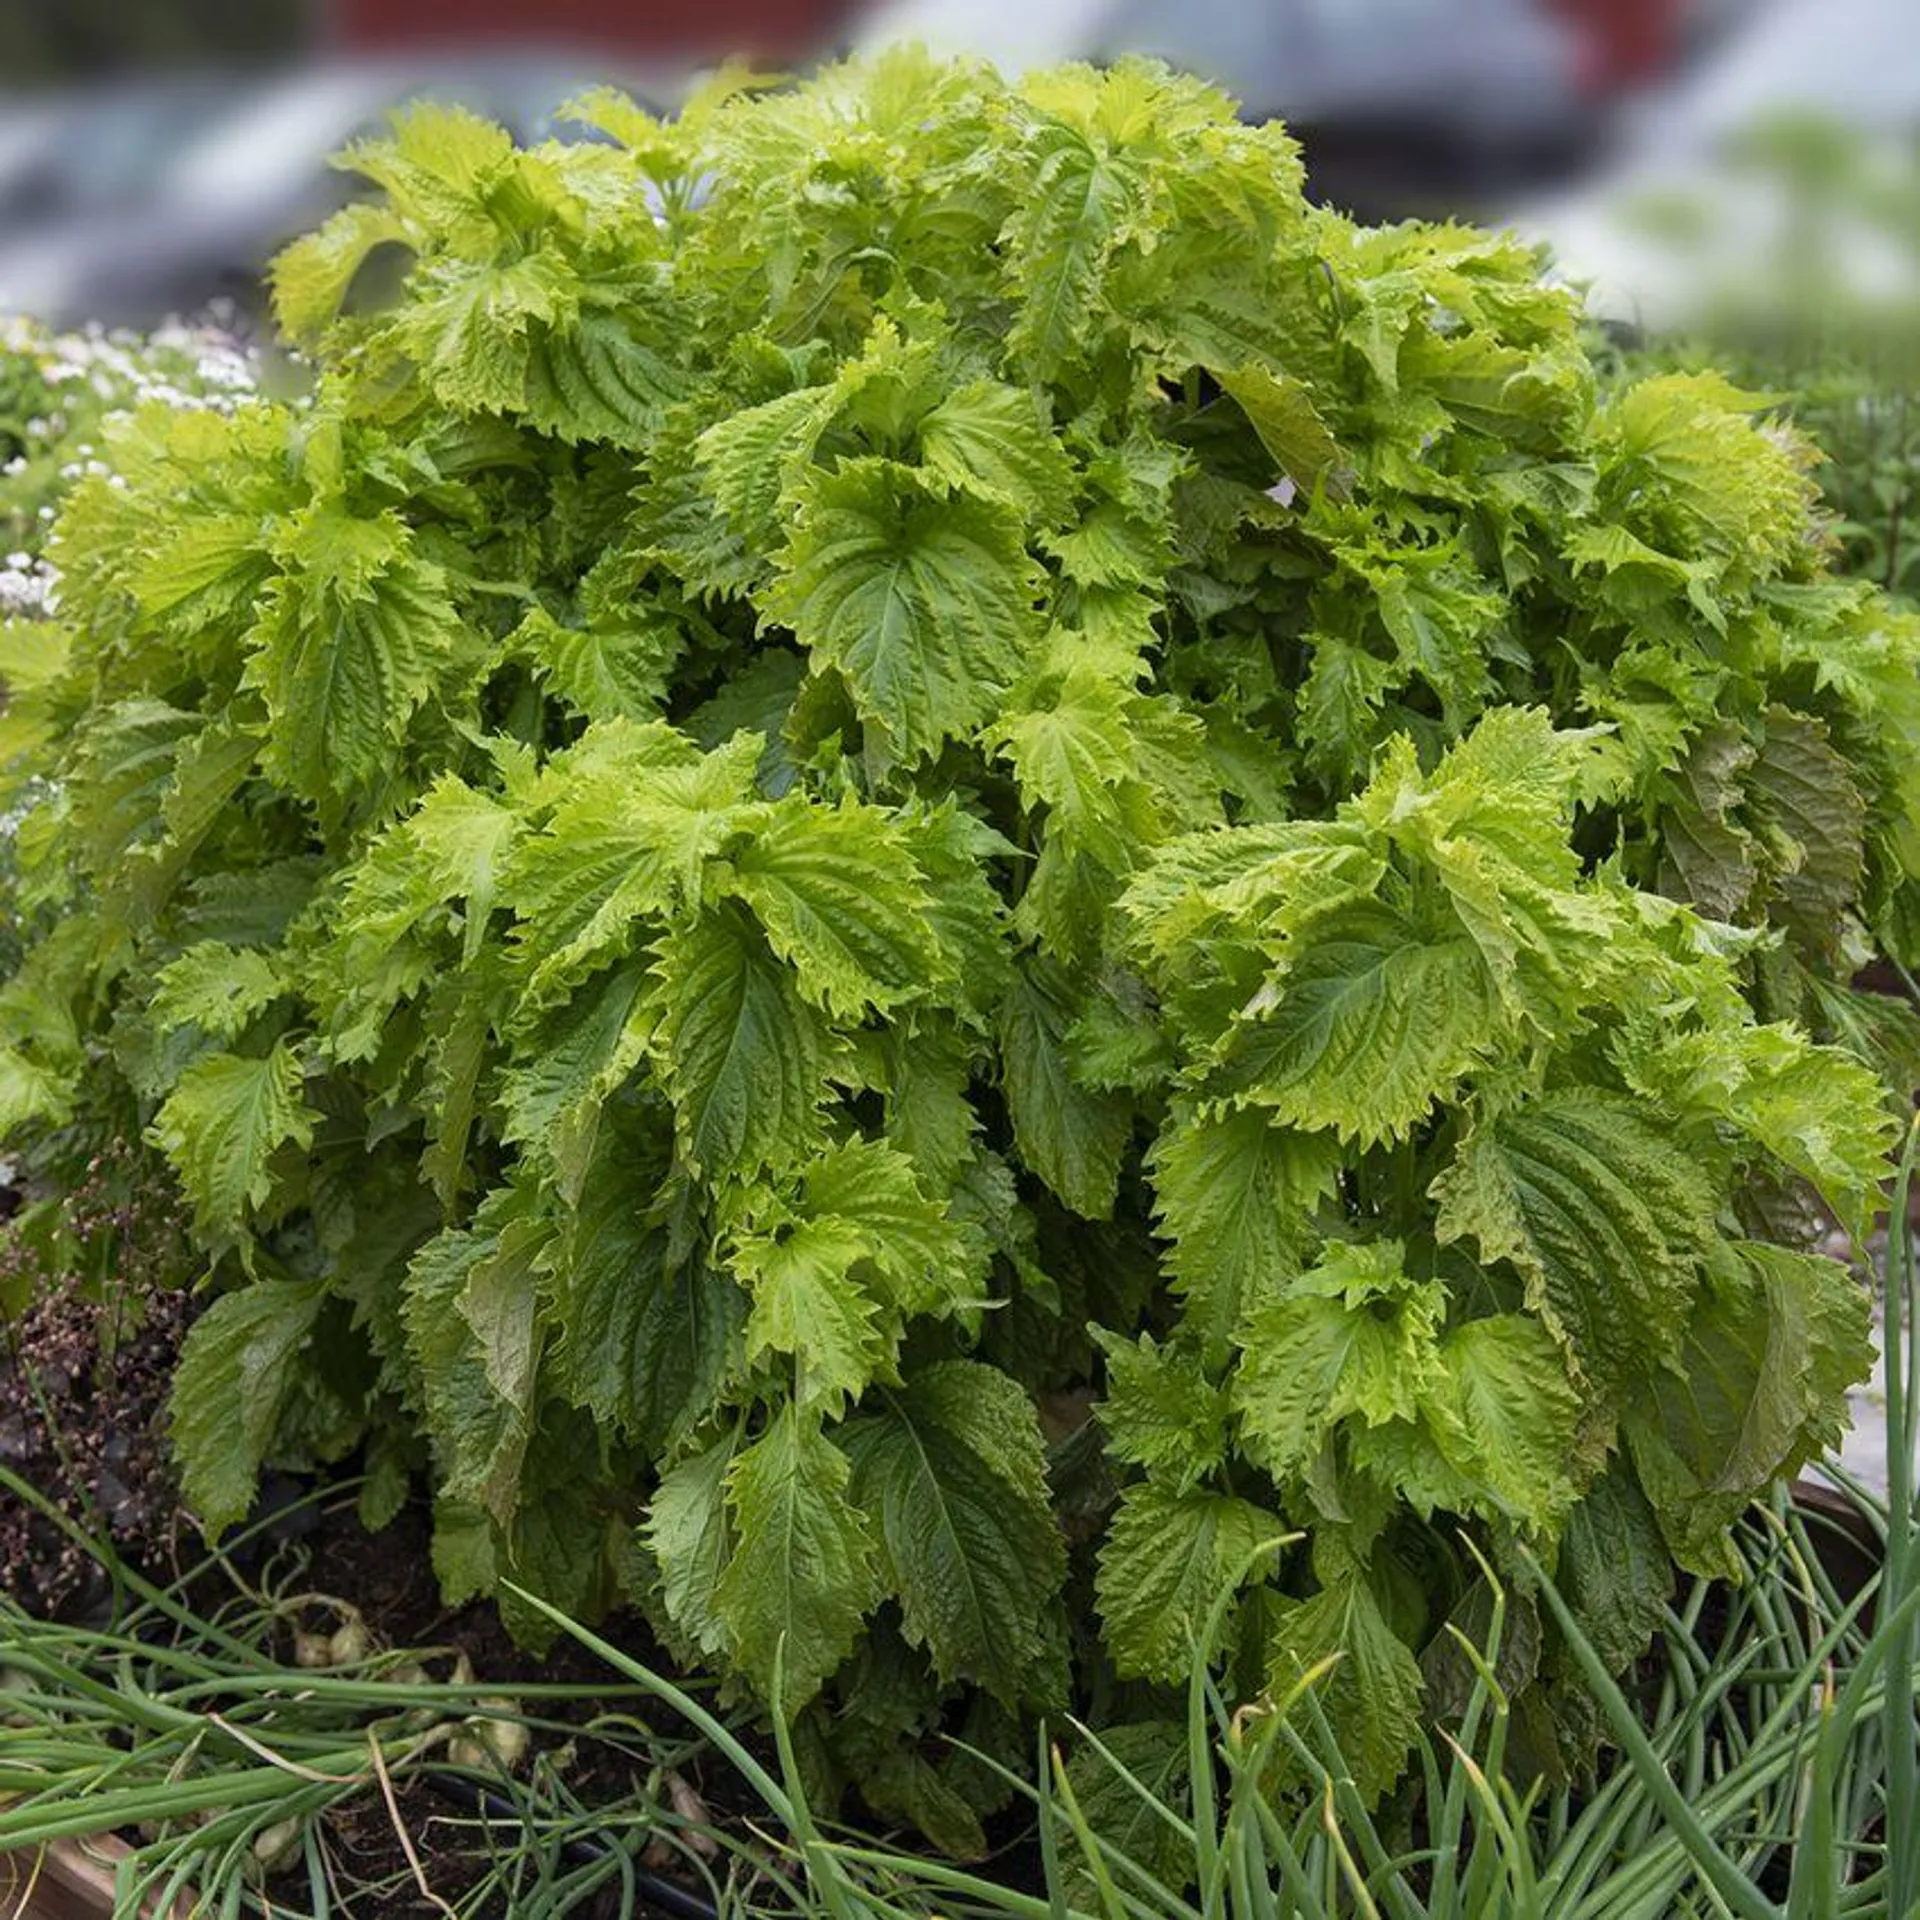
[
  {"x": 464, "y": 1561},
  {"x": 808, "y": 1303},
  {"x": 1289, "y": 425},
  {"x": 1503, "y": 1414},
  {"x": 1076, "y": 756},
  {"x": 215, "y": 988},
  {"x": 31, "y": 1094},
  {"x": 598, "y": 377},
  {"x": 1238, "y": 1196},
  {"x": 1353, "y": 1337},
  {"x": 917, "y": 1253},
  {"x": 604, "y": 672},
  {"x": 1368, "y": 1027},
  {"x": 743, "y": 1055},
  {"x": 470, "y": 325},
  {"x": 843, "y": 903},
  {"x": 347, "y": 647},
  {"x": 629, "y": 841},
  {"x": 1060, "y": 242},
  {"x": 221, "y": 1125},
  {"x": 690, "y": 1531},
  {"x": 310, "y": 278},
  {"x": 752, "y": 457},
  {"x": 498, "y": 1302},
  {"x": 388, "y": 942},
  {"x": 237, "y": 1368},
  {"x": 804, "y": 1572},
  {"x": 1817, "y": 1109},
  {"x": 992, "y": 440},
  {"x": 203, "y": 570},
  {"x": 927, "y": 605}
]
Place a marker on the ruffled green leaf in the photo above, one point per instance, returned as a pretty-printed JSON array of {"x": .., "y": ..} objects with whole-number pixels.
[
  {"x": 804, "y": 1570},
  {"x": 1167, "y": 1558},
  {"x": 926, "y": 605},
  {"x": 952, "y": 1470},
  {"x": 1603, "y": 1213},
  {"x": 226, "y": 1117}
]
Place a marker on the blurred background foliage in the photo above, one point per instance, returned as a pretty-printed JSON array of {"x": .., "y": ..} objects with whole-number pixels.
[{"x": 1825, "y": 322}]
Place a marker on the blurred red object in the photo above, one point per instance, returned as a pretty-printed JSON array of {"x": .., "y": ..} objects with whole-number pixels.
[
  {"x": 1629, "y": 41},
  {"x": 701, "y": 29}
]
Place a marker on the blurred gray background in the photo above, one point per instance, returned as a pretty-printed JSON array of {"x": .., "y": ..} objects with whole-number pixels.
[{"x": 152, "y": 158}]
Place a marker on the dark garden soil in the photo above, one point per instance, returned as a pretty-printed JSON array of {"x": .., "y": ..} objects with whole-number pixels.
[
  {"x": 81, "y": 1406},
  {"x": 84, "y": 1377}
]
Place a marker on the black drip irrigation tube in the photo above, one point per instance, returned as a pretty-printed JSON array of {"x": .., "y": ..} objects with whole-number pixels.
[{"x": 667, "y": 1898}]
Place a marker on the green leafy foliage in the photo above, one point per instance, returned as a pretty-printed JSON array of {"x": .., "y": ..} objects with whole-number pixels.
[{"x": 987, "y": 793}]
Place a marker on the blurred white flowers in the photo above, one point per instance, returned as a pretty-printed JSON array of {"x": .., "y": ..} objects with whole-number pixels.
[{"x": 59, "y": 395}]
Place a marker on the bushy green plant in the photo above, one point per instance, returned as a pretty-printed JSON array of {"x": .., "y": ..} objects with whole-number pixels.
[{"x": 915, "y": 750}]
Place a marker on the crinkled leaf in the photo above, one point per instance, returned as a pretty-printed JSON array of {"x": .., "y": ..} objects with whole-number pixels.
[
  {"x": 225, "y": 1118},
  {"x": 925, "y": 604},
  {"x": 1503, "y": 1415},
  {"x": 1237, "y": 1195},
  {"x": 237, "y": 1368},
  {"x": 1371, "y": 1697},
  {"x": 690, "y": 1531},
  {"x": 952, "y": 1470},
  {"x": 1073, "y": 1139},
  {"x": 216, "y": 988},
  {"x": 843, "y": 902},
  {"x": 1369, "y": 1026},
  {"x": 1165, "y": 1562},
  {"x": 1160, "y": 1412},
  {"x": 1604, "y": 1214},
  {"x": 744, "y": 1056},
  {"x": 804, "y": 1571},
  {"x": 344, "y": 654},
  {"x": 1354, "y": 1337},
  {"x": 991, "y": 440},
  {"x": 1757, "y": 1389},
  {"x": 1614, "y": 1567}
]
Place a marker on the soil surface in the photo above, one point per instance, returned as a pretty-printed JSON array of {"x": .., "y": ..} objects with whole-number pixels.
[{"x": 82, "y": 1408}]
